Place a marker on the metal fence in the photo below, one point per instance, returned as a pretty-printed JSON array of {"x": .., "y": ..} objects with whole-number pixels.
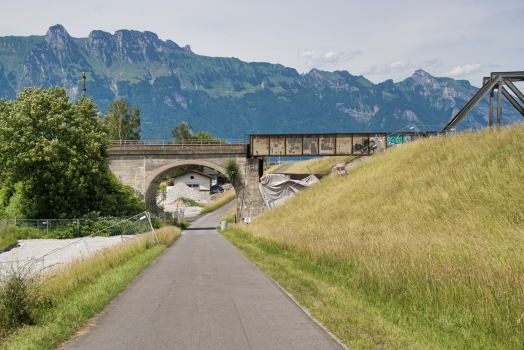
[
  {"x": 58, "y": 228},
  {"x": 63, "y": 250}
]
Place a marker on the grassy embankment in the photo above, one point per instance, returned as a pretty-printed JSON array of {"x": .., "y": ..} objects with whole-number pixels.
[
  {"x": 220, "y": 201},
  {"x": 321, "y": 166},
  {"x": 420, "y": 248},
  {"x": 274, "y": 168},
  {"x": 80, "y": 289}
]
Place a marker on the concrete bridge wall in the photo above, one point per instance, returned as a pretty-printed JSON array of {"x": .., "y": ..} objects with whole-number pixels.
[{"x": 144, "y": 167}]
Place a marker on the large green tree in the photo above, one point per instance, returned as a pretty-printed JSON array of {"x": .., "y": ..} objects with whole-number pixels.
[
  {"x": 122, "y": 121},
  {"x": 53, "y": 155},
  {"x": 182, "y": 131}
]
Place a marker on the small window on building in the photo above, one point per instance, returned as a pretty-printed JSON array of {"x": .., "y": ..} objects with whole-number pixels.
[{"x": 191, "y": 177}]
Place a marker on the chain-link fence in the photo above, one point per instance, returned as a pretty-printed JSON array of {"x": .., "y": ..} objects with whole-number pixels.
[
  {"x": 47, "y": 252},
  {"x": 56, "y": 228}
]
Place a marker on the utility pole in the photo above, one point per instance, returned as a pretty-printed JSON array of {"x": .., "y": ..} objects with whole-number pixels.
[{"x": 84, "y": 84}]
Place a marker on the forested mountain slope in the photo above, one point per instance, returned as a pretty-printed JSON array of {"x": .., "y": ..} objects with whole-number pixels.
[{"x": 226, "y": 96}]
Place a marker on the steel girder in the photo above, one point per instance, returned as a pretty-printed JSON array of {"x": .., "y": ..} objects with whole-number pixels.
[{"x": 496, "y": 80}]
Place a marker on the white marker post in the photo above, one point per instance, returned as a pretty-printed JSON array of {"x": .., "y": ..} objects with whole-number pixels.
[{"x": 247, "y": 221}]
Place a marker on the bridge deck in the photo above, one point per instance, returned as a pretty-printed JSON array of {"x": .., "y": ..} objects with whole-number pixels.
[{"x": 177, "y": 149}]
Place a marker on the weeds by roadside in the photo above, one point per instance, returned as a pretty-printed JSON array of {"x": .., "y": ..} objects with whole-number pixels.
[
  {"x": 222, "y": 200},
  {"x": 45, "y": 303},
  {"x": 189, "y": 202},
  {"x": 230, "y": 215}
]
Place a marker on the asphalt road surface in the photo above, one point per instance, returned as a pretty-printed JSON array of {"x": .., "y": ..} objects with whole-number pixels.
[
  {"x": 202, "y": 293},
  {"x": 283, "y": 169}
]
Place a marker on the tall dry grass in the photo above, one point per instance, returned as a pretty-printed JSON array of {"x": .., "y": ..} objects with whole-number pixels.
[
  {"x": 317, "y": 165},
  {"x": 230, "y": 215},
  {"x": 435, "y": 227},
  {"x": 68, "y": 277},
  {"x": 219, "y": 202}
]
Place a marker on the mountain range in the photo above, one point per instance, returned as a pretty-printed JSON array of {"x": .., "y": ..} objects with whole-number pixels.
[{"x": 226, "y": 96}]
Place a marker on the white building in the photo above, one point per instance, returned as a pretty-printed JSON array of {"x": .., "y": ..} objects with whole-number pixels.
[{"x": 196, "y": 180}]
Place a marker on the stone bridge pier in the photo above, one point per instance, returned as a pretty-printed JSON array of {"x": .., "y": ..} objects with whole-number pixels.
[{"x": 143, "y": 167}]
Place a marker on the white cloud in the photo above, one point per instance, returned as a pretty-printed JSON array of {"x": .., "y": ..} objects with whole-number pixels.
[
  {"x": 315, "y": 59},
  {"x": 395, "y": 67},
  {"x": 468, "y": 69}
]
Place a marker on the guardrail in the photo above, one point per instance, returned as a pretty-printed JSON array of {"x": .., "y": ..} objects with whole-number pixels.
[{"x": 186, "y": 142}]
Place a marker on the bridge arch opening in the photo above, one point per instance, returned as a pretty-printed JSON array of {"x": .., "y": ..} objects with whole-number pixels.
[{"x": 153, "y": 180}]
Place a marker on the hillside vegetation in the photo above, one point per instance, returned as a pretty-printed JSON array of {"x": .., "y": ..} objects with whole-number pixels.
[
  {"x": 317, "y": 165},
  {"x": 419, "y": 248},
  {"x": 224, "y": 95}
]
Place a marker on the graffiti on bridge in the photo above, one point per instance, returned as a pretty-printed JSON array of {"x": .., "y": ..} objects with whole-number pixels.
[{"x": 397, "y": 139}]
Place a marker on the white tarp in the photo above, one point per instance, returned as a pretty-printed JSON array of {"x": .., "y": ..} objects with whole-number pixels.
[{"x": 278, "y": 187}]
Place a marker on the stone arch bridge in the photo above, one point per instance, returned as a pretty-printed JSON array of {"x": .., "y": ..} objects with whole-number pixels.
[{"x": 144, "y": 164}]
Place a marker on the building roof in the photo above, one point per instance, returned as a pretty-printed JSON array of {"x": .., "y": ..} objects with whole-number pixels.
[
  {"x": 210, "y": 171},
  {"x": 194, "y": 171}
]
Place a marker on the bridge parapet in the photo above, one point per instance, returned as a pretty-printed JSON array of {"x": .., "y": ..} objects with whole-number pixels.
[{"x": 178, "y": 149}]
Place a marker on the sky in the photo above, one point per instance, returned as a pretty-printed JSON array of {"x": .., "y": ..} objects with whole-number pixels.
[{"x": 380, "y": 39}]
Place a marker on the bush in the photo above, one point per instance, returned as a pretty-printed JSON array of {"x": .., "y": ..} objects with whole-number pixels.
[
  {"x": 171, "y": 182},
  {"x": 232, "y": 170},
  {"x": 20, "y": 297}
]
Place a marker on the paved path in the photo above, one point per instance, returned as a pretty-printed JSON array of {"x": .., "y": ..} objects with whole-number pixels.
[
  {"x": 283, "y": 169},
  {"x": 202, "y": 293}
]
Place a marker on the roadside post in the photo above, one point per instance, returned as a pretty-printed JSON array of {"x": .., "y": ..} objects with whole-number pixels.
[
  {"x": 177, "y": 213},
  {"x": 247, "y": 221},
  {"x": 340, "y": 168}
]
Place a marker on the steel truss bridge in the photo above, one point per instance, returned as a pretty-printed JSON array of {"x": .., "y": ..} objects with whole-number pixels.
[{"x": 496, "y": 81}]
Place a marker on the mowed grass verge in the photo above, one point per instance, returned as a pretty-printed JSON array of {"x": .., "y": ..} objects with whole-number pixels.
[
  {"x": 222, "y": 200},
  {"x": 422, "y": 247},
  {"x": 82, "y": 288}
]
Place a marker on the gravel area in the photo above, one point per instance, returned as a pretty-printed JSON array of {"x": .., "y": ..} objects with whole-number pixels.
[
  {"x": 182, "y": 190},
  {"x": 72, "y": 248}
]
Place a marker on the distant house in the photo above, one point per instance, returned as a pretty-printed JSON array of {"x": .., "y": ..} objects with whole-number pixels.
[
  {"x": 196, "y": 180},
  {"x": 212, "y": 172}
]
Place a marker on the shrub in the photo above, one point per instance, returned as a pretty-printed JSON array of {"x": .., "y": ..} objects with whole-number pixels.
[
  {"x": 171, "y": 182},
  {"x": 232, "y": 169},
  {"x": 20, "y": 297}
]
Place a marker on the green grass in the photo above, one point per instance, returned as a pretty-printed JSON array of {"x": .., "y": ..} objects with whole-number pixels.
[
  {"x": 83, "y": 287},
  {"x": 220, "y": 201},
  {"x": 230, "y": 215},
  {"x": 274, "y": 168},
  {"x": 7, "y": 238},
  {"x": 429, "y": 234},
  {"x": 189, "y": 202},
  {"x": 60, "y": 324},
  {"x": 329, "y": 295}
]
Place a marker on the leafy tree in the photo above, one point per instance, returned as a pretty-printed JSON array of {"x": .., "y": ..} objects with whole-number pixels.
[
  {"x": 53, "y": 154},
  {"x": 205, "y": 137},
  {"x": 182, "y": 131},
  {"x": 122, "y": 121}
]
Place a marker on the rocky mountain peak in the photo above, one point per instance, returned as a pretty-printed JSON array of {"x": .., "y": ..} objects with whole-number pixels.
[
  {"x": 57, "y": 35},
  {"x": 422, "y": 77}
]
